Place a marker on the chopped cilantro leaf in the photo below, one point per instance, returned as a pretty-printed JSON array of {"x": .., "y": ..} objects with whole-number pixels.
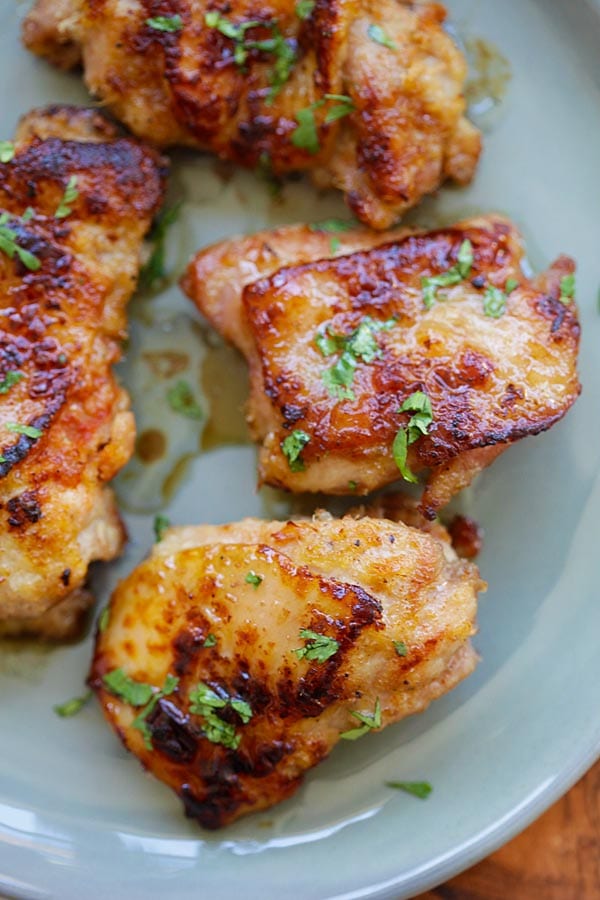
[
  {"x": 169, "y": 24},
  {"x": 567, "y": 288},
  {"x": 70, "y": 195},
  {"x": 210, "y": 640},
  {"x": 161, "y": 523},
  {"x": 9, "y": 246},
  {"x": 368, "y": 720},
  {"x": 352, "y": 485},
  {"x": 334, "y": 245},
  {"x": 494, "y": 302},
  {"x": 359, "y": 345},
  {"x": 171, "y": 683},
  {"x": 136, "y": 693},
  {"x": 328, "y": 343},
  {"x": 305, "y": 136},
  {"x": 253, "y": 579},
  {"x": 465, "y": 258},
  {"x": 419, "y": 405},
  {"x": 511, "y": 285},
  {"x": 333, "y": 226},
  {"x": 377, "y": 34},
  {"x": 420, "y": 789},
  {"x": 72, "y": 707},
  {"x": 104, "y": 619},
  {"x": 340, "y": 376},
  {"x": 11, "y": 378},
  {"x": 454, "y": 275},
  {"x": 318, "y": 647},
  {"x": 292, "y": 447},
  {"x": 28, "y": 430},
  {"x": 154, "y": 270},
  {"x": 7, "y": 151},
  {"x": 400, "y": 648},
  {"x": 304, "y": 8},
  {"x": 285, "y": 58},
  {"x": 181, "y": 400},
  {"x": 344, "y": 106},
  {"x": 204, "y": 701}
]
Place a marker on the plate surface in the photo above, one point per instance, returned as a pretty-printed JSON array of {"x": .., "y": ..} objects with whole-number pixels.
[{"x": 77, "y": 812}]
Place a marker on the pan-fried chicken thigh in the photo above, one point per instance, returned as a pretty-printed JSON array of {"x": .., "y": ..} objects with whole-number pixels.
[
  {"x": 238, "y": 655},
  {"x": 391, "y": 353},
  {"x": 75, "y": 203},
  {"x": 366, "y": 94}
]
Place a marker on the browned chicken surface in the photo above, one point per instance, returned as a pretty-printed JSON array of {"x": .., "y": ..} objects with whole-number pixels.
[
  {"x": 237, "y": 656},
  {"x": 366, "y": 94},
  {"x": 75, "y": 203},
  {"x": 394, "y": 353}
]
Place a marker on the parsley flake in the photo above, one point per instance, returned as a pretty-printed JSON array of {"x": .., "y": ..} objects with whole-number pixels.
[
  {"x": 70, "y": 195},
  {"x": 454, "y": 275},
  {"x": 304, "y": 8},
  {"x": 104, "y": 619},
  {"x": 236, "y": 32},
  {"x": 567, "y": 288},
  {"x": 28, "y": 214},
  {"x": 140, "y": 723},
  {"x": 161, "y": 523},
  {"x": 494, "y": 302},
  {"x": 420, "y": 789},
  {"x": 333, "y": 226},
  {"x": 357, "y": 346},
  {"x": 154, "y": 271},
  {"x": 253, "y": 579},
  {"x": 136, "y": 693},
  {"x": 204, "y": 701},
  {"x": 318, "y": 647},
  {"x": 369, "y": 722},
  {"x": 181, "y": 400},
  {"x": 170, "y": 24},
  {"x": 305, "y": 136},
  {"x": 377, "y": 34},
  {"x": 71, "y": 707},
  {"x": 7, "y": 151},
  {"x": 210, "y": 640},
  {"x": 511, "y": 285},
  {"x": 292, "y": 447},
  {"x": 285, "y": 58},
  {"x": 400, "y": 648},
  {"x": 11, "y": 378},
  {"x": 9, "y": 246},
  {"x": 419, "y": 405},
  {"x": 28, "y": 430}
]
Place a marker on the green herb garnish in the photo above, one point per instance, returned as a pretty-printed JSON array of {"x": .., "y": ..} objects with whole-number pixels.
[
  {"x": 236, "y": 32},
  {"x": 71, "y": 707},
  {"x": 28, "y": 430},
  {"x": 11, "y": 378},
  {"x": 419, "y": 405},
  {"x": 161, "y": 523},
  {"x": 7, "y": 151},
  {"x": 494, "y": 302},
  {"x": 70, "y": 195},
  {"x": 400, "y": 648},
  {"x": 210, "y": 640},
  {"x": 28, "y": 214},
  {"x": 458, "y": 272},
  {"x": 567, "y": 288},
  {"x": 154, "y": 270},
  {"x": 136, "y": 693},
  {"x": 104, "y": 619},
  {"x": 377, "y": 34},
  {"x": 304, "y": 8},
  {"x": 305, "y": 136},
  {"x": 359, "y": 345},
  {"x": 204, "y": 702},
  {"x": 511, "y": 285},
  {"x": 285, "y": 58},
  {"x": 292, "y": 447},
  {"x": 169, "y": 24},
  {"x": 333, "y": 226},
  {"x": 318, "y": 647},
  {"x": 181, "y": 400},
  {"x": 171, "y": 683},
  {"x": 8, "y": 245},
  {"x": 420, "y": 789},
  {"x": 369, "y": 721},
  {"x": 253, "y": 579}
]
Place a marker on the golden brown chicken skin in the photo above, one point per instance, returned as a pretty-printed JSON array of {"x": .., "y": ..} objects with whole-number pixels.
[
  {"x": 266, "y": 639},
  {"x": 75, "y": 202},
  {"x": 376, "y": 86},
  {"x": 337, "y": 345}
]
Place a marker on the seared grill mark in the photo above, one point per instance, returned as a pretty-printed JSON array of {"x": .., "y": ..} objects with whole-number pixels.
[{"x": 24, "y": 510}]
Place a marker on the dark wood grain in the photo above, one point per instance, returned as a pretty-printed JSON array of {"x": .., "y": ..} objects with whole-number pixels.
[{"x": 556, "y": 858}]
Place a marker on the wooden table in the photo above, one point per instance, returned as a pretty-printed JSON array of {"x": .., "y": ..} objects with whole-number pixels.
[{"x": 556, "y": 858}]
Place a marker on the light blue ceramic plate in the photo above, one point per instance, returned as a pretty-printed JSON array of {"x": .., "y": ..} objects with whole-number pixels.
[{"x": 79, "y": 818}]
